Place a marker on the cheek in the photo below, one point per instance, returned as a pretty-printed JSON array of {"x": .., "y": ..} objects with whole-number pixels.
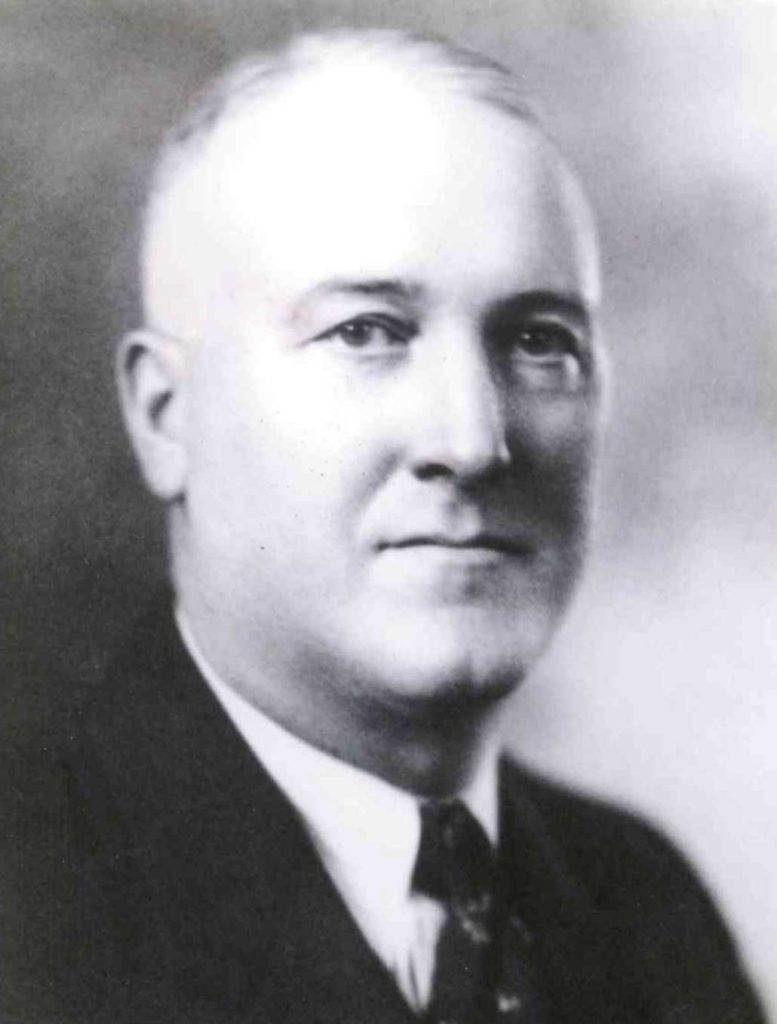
[
  {"x": 555, "y": 454},
  {"x": 292, "y": 452}
]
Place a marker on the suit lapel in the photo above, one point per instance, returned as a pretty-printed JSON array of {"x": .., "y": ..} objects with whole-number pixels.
[
  {"x": 567, "y": 946},
  {"x": 246, "y": 923}
]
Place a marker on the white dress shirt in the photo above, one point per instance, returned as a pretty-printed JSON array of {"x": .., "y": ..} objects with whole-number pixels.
[{"x": 365, "y": 831}]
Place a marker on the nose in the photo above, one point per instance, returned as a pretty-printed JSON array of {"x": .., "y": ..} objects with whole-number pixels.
[{"x": 463, "y": 432}]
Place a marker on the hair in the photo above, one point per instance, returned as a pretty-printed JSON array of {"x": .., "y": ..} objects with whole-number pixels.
[{"x": 421, "y": 57}]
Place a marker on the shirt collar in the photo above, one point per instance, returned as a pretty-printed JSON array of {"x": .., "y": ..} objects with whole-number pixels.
[{"x": 357, "y": 820}]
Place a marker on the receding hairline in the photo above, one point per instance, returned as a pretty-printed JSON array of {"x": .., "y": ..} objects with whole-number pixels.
[
  {"x": 429, "y": 63},
  {"x": 426, "y": 58}
]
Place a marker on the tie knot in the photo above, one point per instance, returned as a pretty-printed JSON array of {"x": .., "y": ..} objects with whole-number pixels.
[{"x": 455, "y": 861}]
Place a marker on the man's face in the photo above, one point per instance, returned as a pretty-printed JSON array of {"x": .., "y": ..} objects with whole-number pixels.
[{"x": 392, "y": 406}]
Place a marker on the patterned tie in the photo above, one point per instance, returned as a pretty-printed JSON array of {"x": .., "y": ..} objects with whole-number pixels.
[
  {"x": 483, "y": 969},
  {"x": 455, "y": 866}
]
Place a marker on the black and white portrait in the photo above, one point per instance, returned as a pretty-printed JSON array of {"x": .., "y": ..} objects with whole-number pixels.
[{"x": 387, "y": 535}]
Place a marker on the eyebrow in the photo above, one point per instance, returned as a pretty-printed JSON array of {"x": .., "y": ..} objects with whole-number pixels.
[
  {"x": 566, "y": 304},
  {"x": 386, "y": 288}
]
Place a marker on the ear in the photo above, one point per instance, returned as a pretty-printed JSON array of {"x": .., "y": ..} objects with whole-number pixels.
[{"x": 150, "y": 373}]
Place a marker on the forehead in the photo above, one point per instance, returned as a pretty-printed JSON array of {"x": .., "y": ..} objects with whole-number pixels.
[{"x": 378, "y": 176}]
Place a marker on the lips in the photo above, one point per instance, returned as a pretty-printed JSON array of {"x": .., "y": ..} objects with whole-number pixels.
[{"x": 517, "y": 547}]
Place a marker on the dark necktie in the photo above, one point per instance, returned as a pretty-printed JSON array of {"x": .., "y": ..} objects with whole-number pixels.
[
  {"x": 482, "y": 967},
  {"x": 455, "y": 866}
]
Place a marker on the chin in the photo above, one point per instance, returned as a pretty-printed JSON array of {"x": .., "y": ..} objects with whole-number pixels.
[{"x": 448, "y": 657}]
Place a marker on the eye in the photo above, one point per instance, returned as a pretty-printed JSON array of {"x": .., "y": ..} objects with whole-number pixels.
[
  {"x": 543, "y": 353},
  {"x": 370, "y": 333},
  {"x": 544, "y": 342}
]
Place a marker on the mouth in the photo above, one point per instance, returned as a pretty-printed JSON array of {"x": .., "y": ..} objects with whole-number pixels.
[{"x": 483, "y": 543}]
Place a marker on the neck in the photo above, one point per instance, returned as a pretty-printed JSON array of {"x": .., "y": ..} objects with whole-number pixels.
[
  {"x": 430, "y": 752},
  {"x": 426, "y": 747}
]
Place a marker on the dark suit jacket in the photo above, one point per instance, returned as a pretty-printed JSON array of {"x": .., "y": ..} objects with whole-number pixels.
[{"x": 157, "y": 875}]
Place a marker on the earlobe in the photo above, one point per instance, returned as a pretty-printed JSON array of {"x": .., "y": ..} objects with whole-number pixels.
[{"x": 150, "y": 374}]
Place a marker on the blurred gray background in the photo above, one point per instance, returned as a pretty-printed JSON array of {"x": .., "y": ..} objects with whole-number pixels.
[{"x": 662, "y": 689}]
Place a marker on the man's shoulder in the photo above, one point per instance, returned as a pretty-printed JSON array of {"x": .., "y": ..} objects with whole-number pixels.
[
  {"x": 634, "y": 896},
  {"x": 611, "y": 847},
  {"x": 141, "y": 705},
  {"x": 584, "y": 819}
]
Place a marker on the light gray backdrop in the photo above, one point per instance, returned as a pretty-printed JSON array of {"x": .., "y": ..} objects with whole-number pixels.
[{"x": 662, "y": 690}]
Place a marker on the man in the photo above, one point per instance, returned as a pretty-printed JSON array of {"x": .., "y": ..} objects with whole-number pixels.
[{"x": 367, "y": 392}]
